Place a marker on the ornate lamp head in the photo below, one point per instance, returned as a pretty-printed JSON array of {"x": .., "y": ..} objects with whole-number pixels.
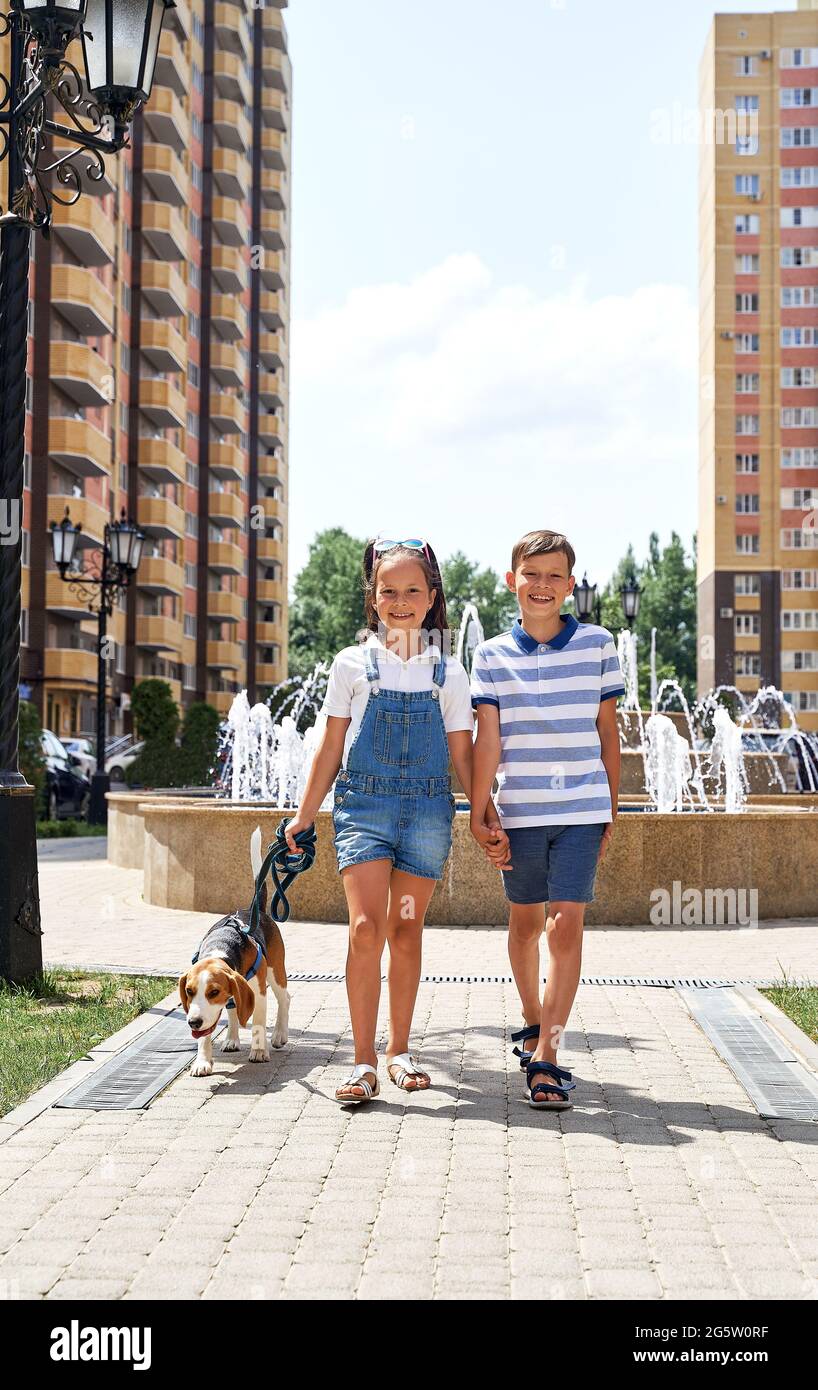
[{"x": 120, "y": 41}]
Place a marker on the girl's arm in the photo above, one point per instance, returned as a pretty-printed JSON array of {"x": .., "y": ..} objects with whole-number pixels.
[
  {"x": 323, "y": 772},
  {"x": 611, "y": 758}
]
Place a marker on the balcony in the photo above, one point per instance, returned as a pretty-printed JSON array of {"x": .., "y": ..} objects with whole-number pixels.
[
  {"x": 79, "y": 446},
  {"x": 166, "y": 119},
  {"x": 179, "y": 19},
  {"x": 71, "y": 664},
  {"x": 158, "y": 633},
  {"x": 160, "y": 460},
  {"x": 225, "y": 558},
  {"x": 271, "y": 350},
  {"x": 231, "y": 126},
  {"x": 277, "y": 69},
  {"x": 160, "y": 517},
  {"x": 160, "y": 575},
  {"x": 268, "y": 673},
  {"x": 228, "y": 316},
  {"x": 273, "y": 270},
  {"x": 267, "y": 633},
  {"x": 171, "y": 63},
  {"x": 270, "y": 469},
  {"x": 227, "y": 364},
  {"x": 229, "y": 269},
  {"x": 270, "y": 307},
  {"x": 165, "y": 174},
  {"x": 59, "y": 599},
  {"x": 164, "y": 230},
  {"x": 231, "y": 80},
  {"x": 227, "y": 414},
  {"x": 226, "y": 509},
  {"x": 271, "y": 591},
  {"x": 164, "y": 289},
  {"x": 274, "y": 193},
  {"x": 269, "y": 549},
  {"x": 82, "y": 300},
  {"x": 270, "y": 389},
  {"x": 226, "y": 461},
  {"x": 83, "y": 511},
  {"x": 272, "y": 230},
  {"x": 226, "y": 656},
  {"x": 270, "y": 430},
  {"x": 231, "y": 173},
  {"x": 224, "y": 606},
  {"x": 272, "y": 26},
  {"x": 87, "y": 231},
  {"x": 221, "y": 700},
  {"x": 81, "y": 373},
  {"x": 274, "y": 149},
  {"x": 230, "y": 221},
  {"x": 231, "y": 29},
  {"x": 162, "y": 403},
  {"x": 163, "y": 345},
  {"x": 275, "y": 108}
]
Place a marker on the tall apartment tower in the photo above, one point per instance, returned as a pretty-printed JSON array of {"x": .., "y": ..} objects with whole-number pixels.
[
  {"x": 758, "y": 464},
  {"x": 158, "y": 381}
]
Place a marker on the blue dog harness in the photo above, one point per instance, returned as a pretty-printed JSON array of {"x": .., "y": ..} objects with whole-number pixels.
[{"x": 235, "y": 921}]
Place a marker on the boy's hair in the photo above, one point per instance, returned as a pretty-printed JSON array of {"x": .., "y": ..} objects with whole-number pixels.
[
  {"x": 542, "y": 543},
  {"x": 435, "y": 620}
]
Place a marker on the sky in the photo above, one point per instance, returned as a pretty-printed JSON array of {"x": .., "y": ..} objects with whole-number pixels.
[{"x": 494, "y": 272}]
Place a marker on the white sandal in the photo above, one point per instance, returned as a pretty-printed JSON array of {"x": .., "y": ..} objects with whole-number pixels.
[
  {"x": 408, "y": 1067},
  {"x": 357, "y": 1077}
]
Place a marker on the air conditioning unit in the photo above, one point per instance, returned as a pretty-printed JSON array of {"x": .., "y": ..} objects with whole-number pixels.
[
  {"x": 755, "y": 197},
  {"x": 727, "y": 334},
  {"x": 766, "y": 54},
  {"x": 721, "y": 499},
  {"x": 725, "y": 612}
]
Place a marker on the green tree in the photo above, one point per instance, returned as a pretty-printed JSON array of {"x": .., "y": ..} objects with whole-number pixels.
[
  {"x": 155, "y": 715},
  {"x": 200, "y": 738},
  {"x": 464, "y": 582},
  {"x": 667, "y": 578},
  {"x": 32, "y": 764},
  {"x": 328, "y": 605}
]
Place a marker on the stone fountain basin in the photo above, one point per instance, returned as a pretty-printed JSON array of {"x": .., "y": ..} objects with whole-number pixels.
[{"x": 195, "y": 855}]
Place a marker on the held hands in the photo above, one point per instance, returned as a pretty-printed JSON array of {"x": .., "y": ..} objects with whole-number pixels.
[{"x": 494, "y": 841}]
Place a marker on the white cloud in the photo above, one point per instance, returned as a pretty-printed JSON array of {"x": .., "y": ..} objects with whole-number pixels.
[{"x": 471, "y": 411}]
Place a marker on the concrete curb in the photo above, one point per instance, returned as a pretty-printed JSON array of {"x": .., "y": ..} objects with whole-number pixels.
[
  {"x": 788, "y": 1031},
  {"x": 54, "y": 1089}
]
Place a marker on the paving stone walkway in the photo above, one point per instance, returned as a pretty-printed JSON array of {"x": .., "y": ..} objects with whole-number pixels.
[{"x": 663, "y": 1182}]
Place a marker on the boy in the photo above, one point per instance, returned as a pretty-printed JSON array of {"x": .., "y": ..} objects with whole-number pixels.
[{"x": 546, "y": 726}]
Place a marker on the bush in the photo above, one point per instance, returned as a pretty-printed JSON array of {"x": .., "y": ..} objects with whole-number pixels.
[
  {"x": 57, "y": 829},
  {"x": 156, "y": 717},
  {"x": 166, "y": 764},
  {"x": 32, "y": 765}
]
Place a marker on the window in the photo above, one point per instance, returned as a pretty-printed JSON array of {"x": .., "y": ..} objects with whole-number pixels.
[
  {"x": 196, "y": 127},
  {"x": 800, "y": 176},
  {"x": 190, "y": 625},
  {"x": 802, "y": 497},
  {"x": 127, "y": 177},
  {"x": 24, "y": 627},
  {"x": 192, "y": 474},
  {"x": 26, "y": 546},
  {"x": 125, "y": 358},
  {"x": 747, "y": 383},
  {"x": 749, "y": 184},
  {"x": 197, "y": 77},
  {"x": 194, "y": 326},
  {"x": 799, "y": 418},
  {"x": 746, "y": 303},
  {"x": 746, "y": 463},
  {"x": 746, "y": 585},
  {"x": 799, "y": 619},
  {"x": 193, "y": 424},
  {"x": 799, "y": 661},
  {"x": 802, "y": 699},
  {"x": 746, "y": 103},
  {"x": 799, "y": 337},
  {"x": 746, "y": 424},
  {"x": 194, "y": 275},
  {"x": 794, "y": 538},
  {"x": 190, "y": 576},
  {"x": 746, "y": 265},
  {"x": 748, "y": 624},
  {"x": 799, "y": 57},
  {"x": 746, "y": 144},
  {"x": 798, "y": 137},
  {"x": 127, "y": 239},
  {"x": 798, "y": 296},
  {"x": 798, "y": 376},
  {"x": 196, "y": 176},
  {"x": 747, "y": 545},
  {"x": 799, "y": 96},
  {"x": 748, "y": 224},
  {"x": 748, "y": 664},
  {"x": 799, "y": 255},
  {"x": 27, "y": 469},
  {"x": 746, "y": 66},
  {"x": 195, "y": 226},
  {"x": 189, "y": 677},
  {"x": 193, "y": 374},
  {"x": 191, "y": 524},
  {"x": 799, "y": 458},
  {"x": 123, "y": 415},
  {"x": 799, "y": 579},
  {"x": 29, "y": 393},
  {"x": 747, "y": 342},
  {"x": 747, "y": 502},
  {"x": 799, "y": 217}
]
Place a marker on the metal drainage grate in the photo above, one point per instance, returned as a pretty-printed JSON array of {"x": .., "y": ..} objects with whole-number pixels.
[
  {"x": 131, "y": 1078},
  {"x": 777, "y": 1082},
  {"x": 656, "y": 981}
]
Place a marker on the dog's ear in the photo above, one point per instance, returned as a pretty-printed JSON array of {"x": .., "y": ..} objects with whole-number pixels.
[
  {"x": 243, "y": 997},
  {"x": 183, "y": 991}
]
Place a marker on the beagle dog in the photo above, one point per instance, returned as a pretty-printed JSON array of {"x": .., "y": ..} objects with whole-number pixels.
[{"x": 232, "y": 970}]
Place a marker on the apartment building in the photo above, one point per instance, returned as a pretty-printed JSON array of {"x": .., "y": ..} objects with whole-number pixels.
[
  {"x": 159, "y": 379},
  {"x": 758, "y": 462}
]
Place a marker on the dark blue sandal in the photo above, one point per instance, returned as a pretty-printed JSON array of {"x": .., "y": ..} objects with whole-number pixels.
[
  {"x": 543, "y": 1088},
  {"x": 530, "y": 1031}
]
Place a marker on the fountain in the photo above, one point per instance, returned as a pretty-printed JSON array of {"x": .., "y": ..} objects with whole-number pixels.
[{"x": 194, "y": 852}]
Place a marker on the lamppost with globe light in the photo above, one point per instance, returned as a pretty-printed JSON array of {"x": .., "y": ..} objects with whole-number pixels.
[
  {"x": 99, "y": 588},
  {"x": 120, "y": 40}
]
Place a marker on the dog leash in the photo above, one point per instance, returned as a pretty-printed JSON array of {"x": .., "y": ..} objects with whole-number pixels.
[{"x": 285, "y": 868}]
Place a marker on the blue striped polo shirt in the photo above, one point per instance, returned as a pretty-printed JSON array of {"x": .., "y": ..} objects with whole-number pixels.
[{"x": 548, "y": 695}]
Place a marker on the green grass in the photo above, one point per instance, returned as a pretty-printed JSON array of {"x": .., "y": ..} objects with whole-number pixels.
[
  {"x": 54, "y": 1019},
  {"x": 56, "y": 829},
  {"x": 799, "y": 1004}
]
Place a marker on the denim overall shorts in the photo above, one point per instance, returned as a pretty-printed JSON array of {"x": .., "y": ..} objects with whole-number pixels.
[{"x": 393, "y": 799}]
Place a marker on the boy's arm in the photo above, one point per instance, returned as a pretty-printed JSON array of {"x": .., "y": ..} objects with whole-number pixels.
[
  {"x": 611, "y": 759},
  {"x": 485, "y": 822}
]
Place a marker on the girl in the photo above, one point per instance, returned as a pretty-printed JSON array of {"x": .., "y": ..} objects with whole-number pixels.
[{"x": 397, "y": 708}]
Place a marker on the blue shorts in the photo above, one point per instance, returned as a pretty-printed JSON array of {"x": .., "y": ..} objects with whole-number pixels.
[
  {"x": 553, "y": 863},
  {"x": 414, "y": 831}
]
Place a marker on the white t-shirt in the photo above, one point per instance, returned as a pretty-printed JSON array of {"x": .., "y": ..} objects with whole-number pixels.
[{"x": 348, "y": 687}]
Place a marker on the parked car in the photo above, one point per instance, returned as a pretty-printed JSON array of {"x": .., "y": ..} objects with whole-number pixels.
[
  {"x": 83, "y": 750},
  {"x": 67, "y": 789},
  {"x": 122, "y": 758}
]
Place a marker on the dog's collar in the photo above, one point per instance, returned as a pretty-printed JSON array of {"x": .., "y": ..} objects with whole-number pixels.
[{"x": 231, "y": 1003}]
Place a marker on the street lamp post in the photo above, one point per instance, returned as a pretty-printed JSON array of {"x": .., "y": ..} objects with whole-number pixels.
[
  {"x": 631, "y": 595},
  {"x": 120, "y": 42},
  {"x": 99, "y": 588},
  {"x": 587, "y": 601}
]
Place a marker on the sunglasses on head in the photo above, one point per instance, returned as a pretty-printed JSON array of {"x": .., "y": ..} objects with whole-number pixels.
[{"x": 381, "y": 545}]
